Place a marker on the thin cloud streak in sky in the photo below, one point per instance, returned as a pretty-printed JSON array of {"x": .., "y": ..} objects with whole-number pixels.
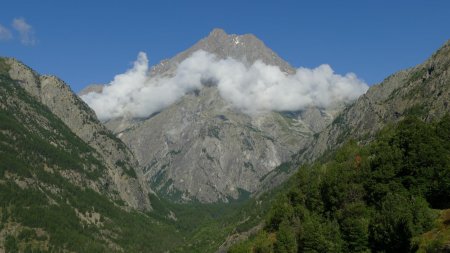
[
  {"x": 5, "y": 34},
  {"x": 25, "y": 30},
  {"x": 254, "y": 89}
]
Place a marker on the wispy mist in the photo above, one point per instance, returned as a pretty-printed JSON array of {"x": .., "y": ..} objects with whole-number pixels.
[
  {"x": 25, "y": 31},
  {"x": 253, "y": 89}
]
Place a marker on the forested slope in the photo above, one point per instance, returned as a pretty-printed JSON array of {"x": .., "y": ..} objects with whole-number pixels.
[
  {"x": 54, "y": 188},
  {"x": 379, "y": 197}
]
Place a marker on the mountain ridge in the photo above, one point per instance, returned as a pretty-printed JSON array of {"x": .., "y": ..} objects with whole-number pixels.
[
  {"x": 81, "y": 119},
  {"x": 402, "y": 93}
]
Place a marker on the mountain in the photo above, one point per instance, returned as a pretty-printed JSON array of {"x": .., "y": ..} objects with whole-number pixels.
[
  {"x": 201, "y": 148},
  {"x": 422, "y": 91},
  {"x": 123, "y": 174}
]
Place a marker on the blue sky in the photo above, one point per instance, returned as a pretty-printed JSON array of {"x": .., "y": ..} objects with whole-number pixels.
[{"x": 86, "y": 42}]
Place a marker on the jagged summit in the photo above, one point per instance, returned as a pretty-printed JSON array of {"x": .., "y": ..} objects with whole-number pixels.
[
  {"x": 246, "y": 48},
  {"x": 220, "y": 36}
]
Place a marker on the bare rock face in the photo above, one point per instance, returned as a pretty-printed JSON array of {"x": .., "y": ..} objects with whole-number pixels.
[
  {"x": 123, "y": 168},
  {"x": 422, "y": 91},
  {"x": 245, "y": 48},
  {"x": 202, "y": 149}
]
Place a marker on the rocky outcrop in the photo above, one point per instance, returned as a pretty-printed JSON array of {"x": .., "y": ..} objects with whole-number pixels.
[{"x": 123, "y": 168}]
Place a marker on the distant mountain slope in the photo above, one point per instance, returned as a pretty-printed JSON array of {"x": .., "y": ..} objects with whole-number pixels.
[{"x": 122, "y": 168}]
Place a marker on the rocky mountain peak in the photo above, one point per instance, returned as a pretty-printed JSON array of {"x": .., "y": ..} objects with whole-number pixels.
[
  {"x": 246, "y": 48},
  {"x": 219, "y": 39},
  {"x": 201, "y": 148}
]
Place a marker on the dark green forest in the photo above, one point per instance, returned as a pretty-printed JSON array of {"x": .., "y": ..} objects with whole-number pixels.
[{"x": 379, "y": 197}]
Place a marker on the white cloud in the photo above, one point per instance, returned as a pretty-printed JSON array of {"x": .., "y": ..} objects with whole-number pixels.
[
  {"x": 5, "y": 34},
  {"x": 253, "y": 89},
  {"x": 26, "y": 31}
]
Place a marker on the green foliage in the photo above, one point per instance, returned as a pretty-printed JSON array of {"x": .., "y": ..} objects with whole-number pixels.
[
  {"x": 281, "y": 211},
  {"x": 4, "y": 67},
  {"x": 264, "y": 244},
  {"x": 41, "y": 144},
  {"x": 128, "y": 171},
  {"x": 366, "y": 198},
  {"x": 243, "y": 247},
  {"x": 415, "y": 159},
  {"x": 398, "y": 221},
  {"x": 11, "y": 244},
  {"x": 286, "y": 240},
  {"x": 214, "y": 132},
  {"x": 418, "y": 110},
  {"x": 319, "y": 234},
  {"x": 417, "y": 75},
  {"x": 435, "y": 240}
]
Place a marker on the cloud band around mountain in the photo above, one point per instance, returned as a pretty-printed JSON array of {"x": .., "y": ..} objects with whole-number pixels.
[{"x": 252, "y": 89}]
